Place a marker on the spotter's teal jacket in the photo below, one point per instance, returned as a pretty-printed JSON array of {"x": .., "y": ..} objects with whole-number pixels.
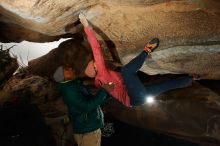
[{"x": 84, "y": 108}]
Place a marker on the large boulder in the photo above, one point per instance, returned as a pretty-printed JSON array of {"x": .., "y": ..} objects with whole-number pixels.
[{"x": 34, "y": 88}]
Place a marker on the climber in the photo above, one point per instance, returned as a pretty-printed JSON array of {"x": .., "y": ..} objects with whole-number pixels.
[{"x": 129, "y": 89}]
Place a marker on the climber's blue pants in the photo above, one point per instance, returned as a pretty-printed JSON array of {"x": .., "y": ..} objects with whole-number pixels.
[{"x": 137, "y": 90}]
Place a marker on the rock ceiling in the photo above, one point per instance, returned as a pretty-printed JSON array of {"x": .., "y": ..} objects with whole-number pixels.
[{"x": 189, "y": 30}]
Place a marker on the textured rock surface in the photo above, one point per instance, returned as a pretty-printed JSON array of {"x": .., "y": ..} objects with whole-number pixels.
[
  {"x": 52, "y": 17},
  {"x": 25, "y": 89},
  {"x": 29, "y": 86},
  {"x": 16, "y": 33},
  {"x": 189, "y": 30}
]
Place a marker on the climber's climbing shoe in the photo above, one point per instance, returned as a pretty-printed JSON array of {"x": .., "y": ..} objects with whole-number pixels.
[{"x": 153, "y": 44}]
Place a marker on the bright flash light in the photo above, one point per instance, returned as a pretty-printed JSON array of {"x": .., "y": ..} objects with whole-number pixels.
[{"x": 150, "y": 99}]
